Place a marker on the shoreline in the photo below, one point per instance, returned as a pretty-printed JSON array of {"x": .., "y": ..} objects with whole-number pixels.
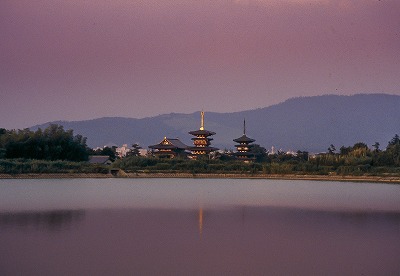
[{"x": 122, "y": 174}]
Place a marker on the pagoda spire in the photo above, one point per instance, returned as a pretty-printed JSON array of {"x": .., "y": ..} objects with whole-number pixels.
[
  {"x": 201, "y": 141},
  {"x": 244, "y": 146},
  {"x": 202, "y": 121}
]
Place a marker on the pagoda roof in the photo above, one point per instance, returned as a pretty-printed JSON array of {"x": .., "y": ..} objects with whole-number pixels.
[
  {"x": 197, "y": 138},
  {"x": 247, "y": 155},
  {"x": 169, "y": 143},
  {"x": 244, "y": 153},
  {"x": 202, "y": 148},
  {"x": 202, "y": 132},
  {"x": 243, "y": 139}
]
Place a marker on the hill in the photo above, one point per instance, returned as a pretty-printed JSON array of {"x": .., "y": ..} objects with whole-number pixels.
[{"x": 305, "y": 123}]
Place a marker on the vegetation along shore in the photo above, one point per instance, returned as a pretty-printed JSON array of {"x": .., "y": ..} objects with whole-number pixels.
[
  {"x": 56, "y": 153},
  {"x": 122, "y": 174}
]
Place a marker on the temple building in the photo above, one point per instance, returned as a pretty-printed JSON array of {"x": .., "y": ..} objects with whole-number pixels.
[
  {"x": 244, "y": 146},
  {"x": 201, "y": 141},
  {"x": 169, "y": 148}
]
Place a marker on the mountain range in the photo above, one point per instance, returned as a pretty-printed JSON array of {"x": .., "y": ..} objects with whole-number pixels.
[{"x": 304, "y": 123}]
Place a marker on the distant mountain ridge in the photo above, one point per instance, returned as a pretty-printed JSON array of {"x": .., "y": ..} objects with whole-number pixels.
[{"x": 304, "y": 123}]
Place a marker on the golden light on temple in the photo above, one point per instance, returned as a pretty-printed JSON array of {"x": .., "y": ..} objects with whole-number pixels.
[
  {"x": 201, "y": 221},
  {"x": 201, "y": 141},
  {"x": 244, "y": 145},
  {"x": 202, "y": 121}
]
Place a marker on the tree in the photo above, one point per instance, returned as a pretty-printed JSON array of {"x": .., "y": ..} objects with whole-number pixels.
[
  {"x": 54, "y": 143},
  {"x": 345, "y": 150},
  {"x": 395, "y": 141},
  {"x": 259, "y": 152},
  {"x": 376, "y": 147},
  {"x": 360, "y": 149},
  {"x": 302, "y": 155},
  {"x": 331, "y": 149},
  {"x": 110, "y": 152},
  {"x": 360, "y": 145},
  {"x": 135, "y": 150},
  {"x": 393, "y": 150}
]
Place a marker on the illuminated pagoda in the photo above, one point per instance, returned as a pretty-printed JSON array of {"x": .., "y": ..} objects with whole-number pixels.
[
  {"x": 244, "y": 146},
  {"x": 169, "y": 148},
  {"x": 201, "y": 141}
]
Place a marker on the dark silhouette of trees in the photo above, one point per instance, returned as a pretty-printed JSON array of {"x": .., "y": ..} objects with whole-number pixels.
[
  {"x": 260, "y": 153},
  {"x": 302, "y": 155},
  {"x": 135, "y": 150},
  {"x": 393, "y": 151},
  {"x": 53, "y": 143},
  {"x": 331, "y": 149},
  {"x": 111, "y": 152},
  {"x": 376, "y": 147}
]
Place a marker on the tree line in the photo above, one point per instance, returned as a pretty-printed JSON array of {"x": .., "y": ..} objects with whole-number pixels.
[
  {"x": 358, "y": 159},
  {"x": 361, "y": 154},
  {"x": 52, "y": 143},
  {"x": 55, "y": 144}
]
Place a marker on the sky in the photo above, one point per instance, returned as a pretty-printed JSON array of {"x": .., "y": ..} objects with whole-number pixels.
[{"x": 85, "y": 59}]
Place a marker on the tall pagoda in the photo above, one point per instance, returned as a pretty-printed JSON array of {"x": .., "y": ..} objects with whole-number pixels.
[
  {"x": 244, "y": 146},
  {"x": 201, "y": 141}
]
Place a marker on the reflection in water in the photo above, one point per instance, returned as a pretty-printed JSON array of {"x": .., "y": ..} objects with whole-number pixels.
[
  {"x": 198, "y": 227},
  {"x": 201, "y": 221},
  {"x": 52, "y": 220},
  {"x": 242, "y": 240}
]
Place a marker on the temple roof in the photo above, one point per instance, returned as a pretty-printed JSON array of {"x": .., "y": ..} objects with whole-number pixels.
[
  {"x": 178, "y": 143},
  {"x": 99, "y": 159},
  {"x": 160, "y": 146},
  {"x": 202, "y": 132},
  {"x": 169, "y": 143},
  {"x": 243, "y": 139},
  {"x": 245, "y": 154},
  {"x": 202, "y": 148},
  {"x": 197, "y": 138}
]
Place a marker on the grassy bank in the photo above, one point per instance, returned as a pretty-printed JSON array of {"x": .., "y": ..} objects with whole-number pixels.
[
  {"x": 291, "y": 167},
  {"x": 27, "y": 166},
  {"x": 122, "y": 174},
  {"x": 141, "y": 167}
]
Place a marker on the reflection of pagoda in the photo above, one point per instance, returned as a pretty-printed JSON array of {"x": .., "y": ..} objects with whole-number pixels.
[
  {"x": 201, "y": 141},
  {"x": 243, "y": 148}
]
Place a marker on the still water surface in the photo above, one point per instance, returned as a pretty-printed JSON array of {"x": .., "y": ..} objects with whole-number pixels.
[{"x": 198, "y": 227}]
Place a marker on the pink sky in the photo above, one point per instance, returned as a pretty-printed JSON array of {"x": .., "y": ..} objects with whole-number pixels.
[{"x": 75, "y": 60}]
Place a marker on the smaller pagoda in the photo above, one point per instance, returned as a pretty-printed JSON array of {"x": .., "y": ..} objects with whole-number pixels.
[
  {"x": 169, "y": 148},
  {"x": 201, "y": 141},
  {"x": 244, "y": 146}
]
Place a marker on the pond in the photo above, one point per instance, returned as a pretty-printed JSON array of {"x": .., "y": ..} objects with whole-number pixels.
[{"x": 198, "y": 227}]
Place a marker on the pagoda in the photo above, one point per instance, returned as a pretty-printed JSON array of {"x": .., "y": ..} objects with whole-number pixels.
[
  {"x": 201, "y": 141},
  {"x": 244, "y": 146}
]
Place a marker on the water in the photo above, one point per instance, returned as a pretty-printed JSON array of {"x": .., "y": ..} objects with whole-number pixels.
[{"x": 198, "y": 227}]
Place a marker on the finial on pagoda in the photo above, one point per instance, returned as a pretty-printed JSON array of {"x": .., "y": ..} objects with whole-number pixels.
[
  {"x": 244, "y": 126},
  {"x": 202, "y": 121}
]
